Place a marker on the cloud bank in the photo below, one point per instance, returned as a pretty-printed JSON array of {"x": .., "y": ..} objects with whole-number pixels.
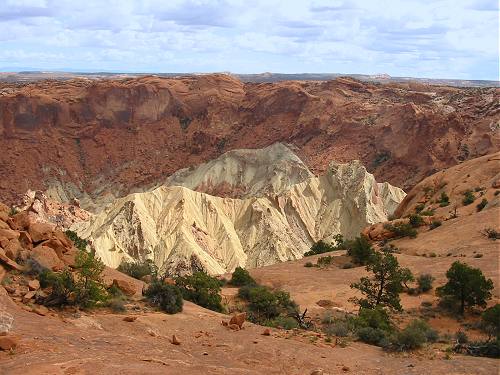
[{"x": 419, "y": 38}]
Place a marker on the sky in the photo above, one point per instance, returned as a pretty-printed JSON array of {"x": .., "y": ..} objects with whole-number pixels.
[{"x": 415, "y": 38}]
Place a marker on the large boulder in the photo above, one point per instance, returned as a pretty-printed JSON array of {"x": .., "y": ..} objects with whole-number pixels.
[
  {"x": 40, "y": 232},
  {"x": 19, "y": 221},
  {"x": 8, "y": 342},
  {"x": 9, "y": 262},
  {"x": 56, "y": 245},
  {"x": 47, "y": 258},
  {"x": 127, "y": 288},
  {"x": 8, "y": 234},
  {"x": 13, "y": 248}
]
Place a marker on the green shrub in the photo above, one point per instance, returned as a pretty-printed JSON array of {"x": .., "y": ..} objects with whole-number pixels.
[
  {"x": 434, "y": 224},
  {"x": 167, "y": 297},
  {"x": 85, "y": 290},
  {"x": 413, "y": 336},
  {"x": 324, "y": 261},
  {"x": 482, "y": 205},
  {"x": 79, "y": 243},
  {"x": 241, "y": 277},
  {"x": 491, "y": 233},
  {"x": 138, "y": 269},
  {"x": 427, "y": 213},
  {"x": 416, "y": 220},
  {"x": 402, "y": 230},
  {"x": 13, "y": 211},
  {"x": 360, "y": 250},
  {"x": 468, "y": 198},
  {"x": 444, "y": 200},
  {"x": 424, "y": 282},
  {"x": 490, "y": 320},
  {"x": 372, "y": 336},
  {"x": 285, "y": 322},
  {"x": 265, "y": 304},
  {"x": 419, "y": 207},
  {"x": 201, "y": 289},
  {"x": 117, "y": 304},
  {"x": 319, "y": 247},
  {"x": 374, "y": 318},
  {"x": 337, "y": 328}
]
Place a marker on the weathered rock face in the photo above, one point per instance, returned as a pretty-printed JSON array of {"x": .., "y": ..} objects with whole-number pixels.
[
  {"x": 107, "y": 138},
  {"x": 183, "y": 230}
]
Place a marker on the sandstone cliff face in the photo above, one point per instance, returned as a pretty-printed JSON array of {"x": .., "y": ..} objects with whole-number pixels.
[
  {"x": 87, "y": 139},
  {"x": 184, "y": 230}
]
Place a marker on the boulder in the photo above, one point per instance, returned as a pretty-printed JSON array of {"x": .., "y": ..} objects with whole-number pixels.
[
  {"x": 47, "y": 258},
  {"x": 34, "y": 284},
  {"x": 8, "y": 342},
  {"x": 13, "y": 249},
  {"x": 25, "y": 240},
  {"x": 40, "y": 232},
  {"x": 3, "y": 222},
  {"x": 8, "y": 234},
  {"x": 63, "y": 238},
  {"x": 267, "y": 332},
  {"x": 28, "y": 296},
  {"x": 130, "y": 319},
  {"x": 19, "y": 221},
  {"x": 126, "y": 287},
  {"x": 9, "y": 262},
  {"x": 69, "y": 257},
  {"x": 56, "y": 245},
  {"x": 238, "y": 319}
]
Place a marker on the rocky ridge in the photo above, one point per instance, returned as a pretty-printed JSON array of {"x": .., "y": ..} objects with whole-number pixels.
[
  {"x": 104, "y": 139},
  {"x": 183, "y": 230}
]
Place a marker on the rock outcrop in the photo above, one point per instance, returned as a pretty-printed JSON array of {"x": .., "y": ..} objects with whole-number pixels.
[
  {"x": 102, "y": 139},
  {"x": 184, "y": 230}
]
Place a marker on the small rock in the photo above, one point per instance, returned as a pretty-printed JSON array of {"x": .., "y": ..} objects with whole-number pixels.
[
  {"x": 8, "y": 342},
  {"x": 205, "y": 353},
  {"x": 175, "y": 340},
  {"x": 345, "y": 369},
  {"x": 318, "y": 371},
  {"x": 234, "y": 327},
  {"x": 267, "y": 332},
  {"x": 34, "y": 284},
  {"x": 130, "y": 318},
  {"x": 238, "y": 319},
  {"x": 28, "y": 296}
]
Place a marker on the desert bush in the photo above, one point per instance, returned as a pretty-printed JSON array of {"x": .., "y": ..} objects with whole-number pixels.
[
  {"x": 308, "y": 264},
  {"x": 434, "y": 224},
  {"x": 360, "y": 250},
  {"x": 337, "y": 328},
  {"x": 490, "y": 321},
  {"x": 427, "y": 213},
  {"x": 201, "y": 289},
  {"x": 167, "y": 297},
  {"x": 324, "y": 261},
  {"x": 372, "y": 336},
  {"x": 241, "y": 277},
  {"x": 285, "y": 322},
  {"x": 416, "y": 220},
  {"x": 444, "y": 200},
  {"x": 347, "y": 266},
  {"x": 468, "y": 198},
  {"x": 265, "y": 304},
  {"x": 433, "y": 255},
  {"x": 424, "y": 282},
  {"x": 86, "y": 289},
  {"x": 491, "y": 233},
  {"x": 321, "y": 246},
  {"x": 79, "y": 243},
  {"x": 467, "y": 286},
  {"x": 413, "y": 336},
  {"x": 419, "y": 207},
  {"x": 482, "y": 205},
  {"x": 117, "y": 304},
  {"x": 138, "y": 269},
  {"x": 402, "y": 230}
]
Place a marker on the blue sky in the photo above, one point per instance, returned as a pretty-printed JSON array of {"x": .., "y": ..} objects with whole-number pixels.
[{"x": 419, "y": 38}]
